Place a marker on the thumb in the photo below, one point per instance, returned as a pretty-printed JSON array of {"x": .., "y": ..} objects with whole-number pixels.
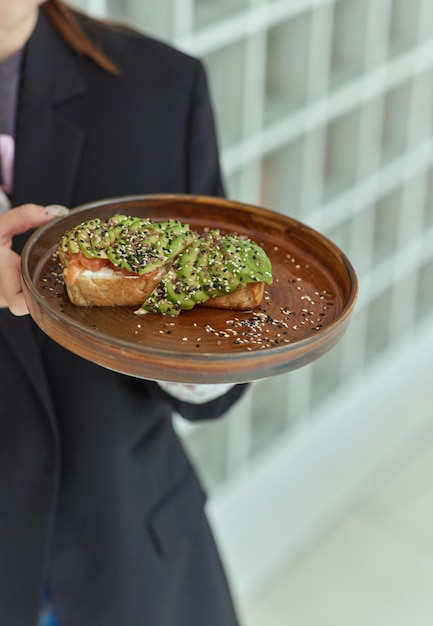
[{"x": 27, "y": 216}]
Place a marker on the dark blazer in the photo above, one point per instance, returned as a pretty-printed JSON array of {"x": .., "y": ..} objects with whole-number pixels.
[{"x": 97, "y": 498}]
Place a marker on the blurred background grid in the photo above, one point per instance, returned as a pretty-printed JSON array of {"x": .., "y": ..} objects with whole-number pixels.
[{"x": 324, "y": 112}]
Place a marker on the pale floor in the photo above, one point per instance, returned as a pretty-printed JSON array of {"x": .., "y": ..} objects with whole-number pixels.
[{"x": 373, "y": 568}]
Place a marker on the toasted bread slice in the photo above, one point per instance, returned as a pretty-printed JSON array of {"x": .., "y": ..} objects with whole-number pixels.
[
  {"x": 110, "y": 288},
  {"x": 244, "y": 299}
]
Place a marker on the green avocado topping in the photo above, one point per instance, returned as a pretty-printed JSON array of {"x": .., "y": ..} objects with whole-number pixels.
[
  {"x": 212, "y": 265},
  {"x": 135, "y": 244}
]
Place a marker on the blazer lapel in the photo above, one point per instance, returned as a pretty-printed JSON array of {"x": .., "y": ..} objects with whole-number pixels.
[
  {"x": 47, "y": 153},
  {"x": 48, "y": 144}
]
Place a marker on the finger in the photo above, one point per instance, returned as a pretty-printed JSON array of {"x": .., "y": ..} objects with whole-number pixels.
[
  {"x": 17, "y": 305},
  {"x": 11, "y": 293},
  {"x": 25, "y": 217}
]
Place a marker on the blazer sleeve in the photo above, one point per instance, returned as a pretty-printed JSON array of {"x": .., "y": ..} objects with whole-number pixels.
[{"x": 204, "y": 172}]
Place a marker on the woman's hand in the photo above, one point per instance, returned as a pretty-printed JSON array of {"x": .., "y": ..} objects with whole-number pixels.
[
  {"x": 14, "y": 222},
  {"x": 195, "y": 394}
]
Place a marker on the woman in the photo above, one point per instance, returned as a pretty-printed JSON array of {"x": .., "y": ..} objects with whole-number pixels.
[{"x": 99, "y": 504}]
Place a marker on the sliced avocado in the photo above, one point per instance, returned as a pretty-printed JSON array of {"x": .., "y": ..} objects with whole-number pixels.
[
  {"x": 136, "y": 244},
  {"x": 212, "y": 265},
  {"x": 142, "y": 250}
]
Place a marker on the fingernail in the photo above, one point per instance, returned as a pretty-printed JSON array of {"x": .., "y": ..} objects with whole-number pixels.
[{"x": 56, "y": 210}]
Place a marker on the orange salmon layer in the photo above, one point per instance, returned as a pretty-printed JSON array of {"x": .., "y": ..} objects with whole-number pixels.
[{"x": 77, "y": 263}]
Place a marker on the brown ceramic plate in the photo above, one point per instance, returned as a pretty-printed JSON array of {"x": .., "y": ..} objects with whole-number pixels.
[{"x": 304, "y": 313}]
